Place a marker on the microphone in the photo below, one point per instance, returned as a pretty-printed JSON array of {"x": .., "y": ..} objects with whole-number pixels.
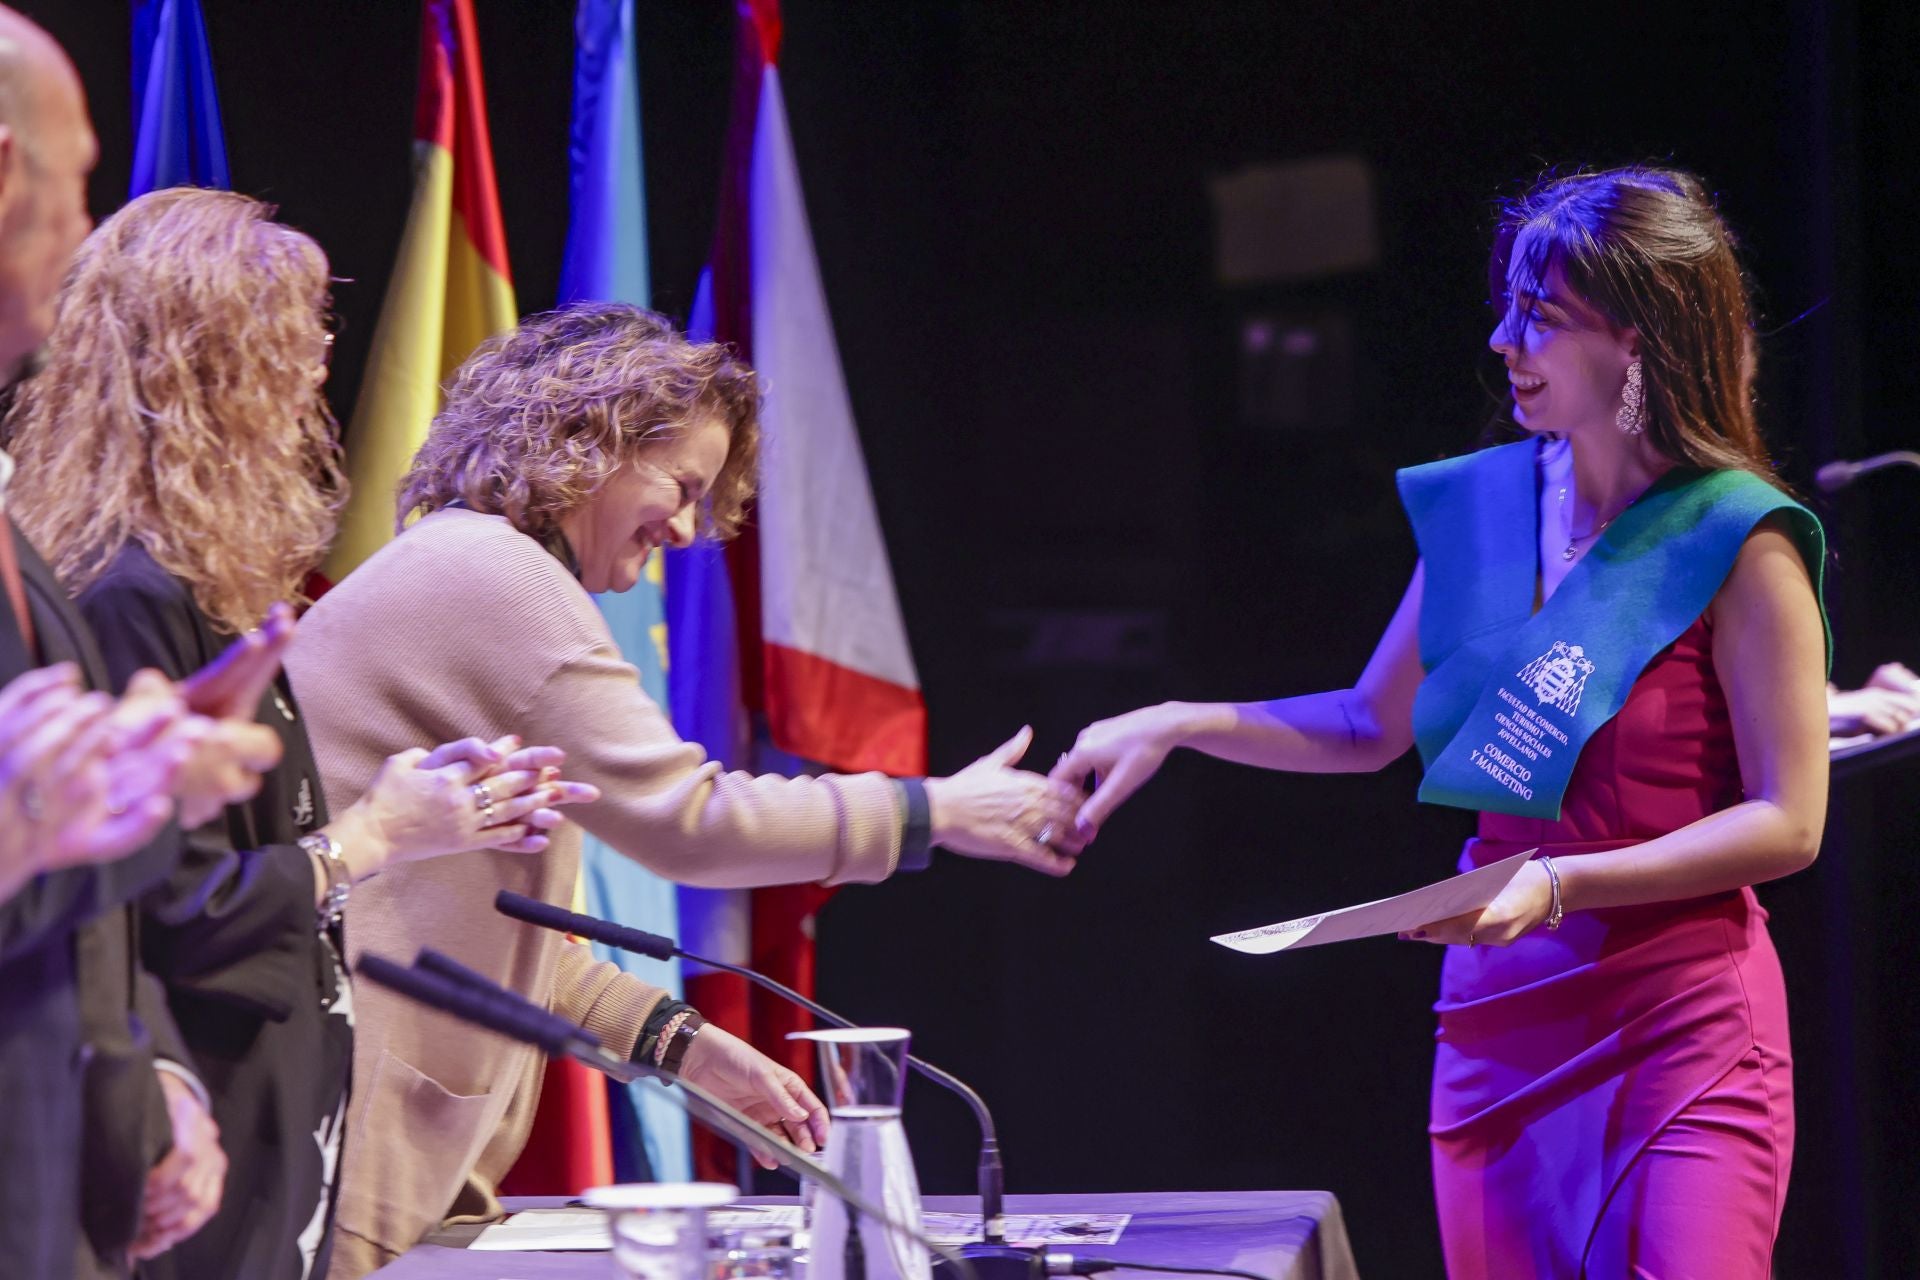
[
  {"x": 481, "y": 1003},
  {"x": 1839, "y": 474},
  {"x": 990, "y": 1173},
  {"x": 618, "y": 936},
  {"x": 442, "y": 983}
]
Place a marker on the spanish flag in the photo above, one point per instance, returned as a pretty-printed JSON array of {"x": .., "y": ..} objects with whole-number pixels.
[{"x": 450, "y": 287}]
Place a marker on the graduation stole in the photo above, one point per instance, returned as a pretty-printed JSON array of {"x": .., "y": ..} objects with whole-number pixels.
[{"x": 1511, "y": 696}]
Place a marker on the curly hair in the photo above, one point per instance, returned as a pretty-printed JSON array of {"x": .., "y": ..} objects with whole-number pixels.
[
  {"x": 1645, "y": 248},
  {"x": 180, "y": 406},
  {"x": 538, "y": 417}
]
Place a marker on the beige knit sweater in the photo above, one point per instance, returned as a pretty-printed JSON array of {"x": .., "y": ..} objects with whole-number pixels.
[{"x": 464, "y": 626}]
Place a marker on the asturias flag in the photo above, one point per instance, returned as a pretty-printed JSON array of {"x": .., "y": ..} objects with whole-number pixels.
[{"x": 606, "y": 260}]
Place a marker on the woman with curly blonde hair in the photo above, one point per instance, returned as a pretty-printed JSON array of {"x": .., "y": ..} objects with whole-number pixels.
[
  {"x": 566, "y": 452},
  {"x": 186, "y": 396},
  {"x": 178, "y": 469}
]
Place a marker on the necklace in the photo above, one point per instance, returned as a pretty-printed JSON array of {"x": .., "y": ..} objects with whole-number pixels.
[{"x": 1567, "y": 519}]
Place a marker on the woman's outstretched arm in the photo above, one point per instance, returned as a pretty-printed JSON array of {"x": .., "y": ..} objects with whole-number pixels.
[{"x": 1354, "y": 730}]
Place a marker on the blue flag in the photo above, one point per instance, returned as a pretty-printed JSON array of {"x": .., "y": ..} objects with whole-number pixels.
[
  {"x": 703, "y": 673},
  {"x": 606, "y": 260},
  {"x": 176, "y": 114}
]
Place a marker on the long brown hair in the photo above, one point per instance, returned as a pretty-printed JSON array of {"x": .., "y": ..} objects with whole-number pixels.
[
  {"x": 1646, "y": 249},
  {"x": 179, "y": 406}
]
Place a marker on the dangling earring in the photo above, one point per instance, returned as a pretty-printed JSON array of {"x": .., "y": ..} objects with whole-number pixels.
[{"x": 1632, "y": 417}]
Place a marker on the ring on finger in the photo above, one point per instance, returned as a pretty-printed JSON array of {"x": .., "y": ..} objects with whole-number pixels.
[
  {"x": 483, "y": 800},
  {"x": 1046, "y": 835},
  {"x": 32, "y": 806},
  {"x": 1470, "y": 941}
]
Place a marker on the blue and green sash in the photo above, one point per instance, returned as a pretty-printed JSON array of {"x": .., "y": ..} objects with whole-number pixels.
[{"x": 1511, "y": 696}]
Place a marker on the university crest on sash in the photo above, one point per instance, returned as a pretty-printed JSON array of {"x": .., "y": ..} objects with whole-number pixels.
[{"x": 1558, "y": 676}]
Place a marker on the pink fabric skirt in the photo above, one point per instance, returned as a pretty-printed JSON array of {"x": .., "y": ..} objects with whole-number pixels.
[{"x": 1614, "y": 1098}]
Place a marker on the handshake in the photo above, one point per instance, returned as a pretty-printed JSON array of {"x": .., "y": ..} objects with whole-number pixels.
[
  {"x": 993, "y": 809},
  {"x": 87, "y": 778}
]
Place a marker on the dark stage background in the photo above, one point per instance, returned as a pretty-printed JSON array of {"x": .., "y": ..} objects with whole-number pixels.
[{"x": 1089, "y": 505}]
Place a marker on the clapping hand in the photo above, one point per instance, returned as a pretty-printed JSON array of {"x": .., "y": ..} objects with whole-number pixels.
[
  {"x": 532, "y": 773},
  {"x": 461, "y": 796},
  {"x": 231, "y": 686},
  {"x": 225, "y": 750},
  {"x": 1887, "y": 703},
  {"x": 223, "y": 758},
  {"x": 82, "y": 778}
]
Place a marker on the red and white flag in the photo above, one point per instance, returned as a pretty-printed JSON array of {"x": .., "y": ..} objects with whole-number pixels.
[
  {"x": 821, "y": 649},
  {"x": 841, "y": 687}
]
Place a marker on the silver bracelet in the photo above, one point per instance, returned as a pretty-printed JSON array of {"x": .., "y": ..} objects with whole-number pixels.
[
  {"x": 1553, "y": 878},
  {"x": 339, "y": 880}
]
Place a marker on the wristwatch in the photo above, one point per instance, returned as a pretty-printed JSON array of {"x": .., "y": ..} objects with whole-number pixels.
[
  {"x": 678, "y": 1038},
  {"x": 339, "y": 882}
]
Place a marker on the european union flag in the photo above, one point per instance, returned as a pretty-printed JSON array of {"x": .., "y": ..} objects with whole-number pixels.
[{"x": 176, "y": 114}]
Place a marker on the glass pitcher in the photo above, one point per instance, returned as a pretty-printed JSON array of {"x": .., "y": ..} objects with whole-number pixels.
[{"x": 863, "y": 1077}]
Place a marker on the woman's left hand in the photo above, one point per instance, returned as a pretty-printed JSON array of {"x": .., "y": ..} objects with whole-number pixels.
[
  {"x": 183, "y": 1190},
  {"x": 1522, "y": 906},
  {"x": 739, "y": 1074}
]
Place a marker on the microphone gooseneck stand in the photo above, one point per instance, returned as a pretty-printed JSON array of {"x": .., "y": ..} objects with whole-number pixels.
[
  {"x": 1842, "y": 472},
  {"x": 1003, "y": 1261},
  {"x": 442, "y": 983}
]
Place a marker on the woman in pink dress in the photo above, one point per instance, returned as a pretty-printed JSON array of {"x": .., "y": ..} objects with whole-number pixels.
[{"x": 1613, "y": 649}]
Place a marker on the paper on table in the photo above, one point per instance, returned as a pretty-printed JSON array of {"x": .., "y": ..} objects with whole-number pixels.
[
  {"x": 546, "y": 1229},
  {"x": 552, "y": 1230},
  {"x": 1028, "y": 1229},
  {"x": 1453, "y": 897}
]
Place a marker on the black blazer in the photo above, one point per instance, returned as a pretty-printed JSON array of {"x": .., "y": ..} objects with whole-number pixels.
[
  {"x": 78, "y": 1019},
  {"x": 256, "y": 989}
]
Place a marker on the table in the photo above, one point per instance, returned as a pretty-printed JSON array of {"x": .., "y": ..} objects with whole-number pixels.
[
  {"x": 1287, "y": 1235},
  {"x": 1862, "y": 756}
]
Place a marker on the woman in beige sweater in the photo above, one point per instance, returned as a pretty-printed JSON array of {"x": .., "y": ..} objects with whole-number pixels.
[{"x": 567, "y": 450}]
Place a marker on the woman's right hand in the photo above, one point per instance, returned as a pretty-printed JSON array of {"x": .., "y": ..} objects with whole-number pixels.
[
  {"x": 82, "y": 779},
  {"x": 992, "y": 810},
  {"x": 424, "y": 804}
]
